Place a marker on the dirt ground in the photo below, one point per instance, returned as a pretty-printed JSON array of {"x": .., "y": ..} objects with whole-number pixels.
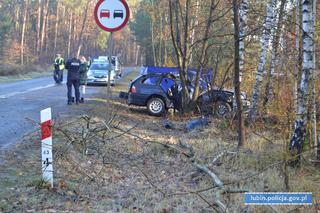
[{"x": 117, "y": 158}]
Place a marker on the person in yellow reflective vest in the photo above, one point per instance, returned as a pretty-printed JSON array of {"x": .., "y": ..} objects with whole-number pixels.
[{"x": 58, "y": 69}]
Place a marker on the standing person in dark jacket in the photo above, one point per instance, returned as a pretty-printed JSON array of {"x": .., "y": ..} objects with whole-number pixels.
[{"x": 73, "y": 67}]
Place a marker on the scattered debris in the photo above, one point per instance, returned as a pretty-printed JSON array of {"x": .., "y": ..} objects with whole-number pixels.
[
  {"x": 168, "y": 124},
  {"x": 197, "y": 123}
]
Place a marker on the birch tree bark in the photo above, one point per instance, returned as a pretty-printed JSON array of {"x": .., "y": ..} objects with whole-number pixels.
[
  {"x": 274, "y": 53},
  {"x": 296, "y": 72},
  {"x": 314, "y": 93},
  {"x": 296, "y": 142},
  {"x": 236, "y": 80},
  {"x": 244, "y": 6},
  {"x": 263, "y": 58}
]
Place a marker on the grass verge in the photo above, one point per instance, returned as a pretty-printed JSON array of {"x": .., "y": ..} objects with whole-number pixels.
[{"x": 119, "y": 159}]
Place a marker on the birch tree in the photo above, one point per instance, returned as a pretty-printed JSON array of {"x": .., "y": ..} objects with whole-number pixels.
[
  {"x": 298, "y": 55},
  {"x": 265, "y": 40},
  {"x": 237, "y": 77},
  {"x": 243, "y": 13},
  {"x": 274, "y": 53},
  {"x": 244, "y": 6},
  {"x": 296, "y": 142},
  {"x": 314, "y": 101}
]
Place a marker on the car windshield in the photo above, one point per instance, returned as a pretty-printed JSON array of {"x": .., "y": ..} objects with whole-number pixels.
[{"x": 102, "y": 66}]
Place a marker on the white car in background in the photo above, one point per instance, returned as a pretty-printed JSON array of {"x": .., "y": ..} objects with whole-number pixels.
[
  {"x": 115, "y": 61},
  {"x": 98, "y": 73}
]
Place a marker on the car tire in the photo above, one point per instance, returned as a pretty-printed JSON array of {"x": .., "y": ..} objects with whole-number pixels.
[
  {"x": 222, "y": 109},
  {"x": 156, "y": 106}
]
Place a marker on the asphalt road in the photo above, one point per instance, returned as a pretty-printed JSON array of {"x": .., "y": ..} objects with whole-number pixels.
[{"x": 22, "y": 101}]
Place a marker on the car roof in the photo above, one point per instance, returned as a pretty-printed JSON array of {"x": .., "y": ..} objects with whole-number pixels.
[
  {"x": 100, "y": 61},
  {"x": 159, "y": 74}
]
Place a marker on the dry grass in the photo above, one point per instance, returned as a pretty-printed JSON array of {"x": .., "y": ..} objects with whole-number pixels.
[{"x": 126, "y": 168}]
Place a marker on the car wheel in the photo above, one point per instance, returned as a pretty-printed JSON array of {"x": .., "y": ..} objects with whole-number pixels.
[
  {"x": 156, "y": 106},
  {"x": 222, "y": 109}
]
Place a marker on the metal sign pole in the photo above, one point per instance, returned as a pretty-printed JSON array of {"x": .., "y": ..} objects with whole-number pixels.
[
  {"x": 111, "y": 16},
  {"x": 110, "y": 64}
]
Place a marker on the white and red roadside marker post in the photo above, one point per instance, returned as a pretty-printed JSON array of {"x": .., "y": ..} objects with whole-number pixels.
[{"x": 46, "y": 145}]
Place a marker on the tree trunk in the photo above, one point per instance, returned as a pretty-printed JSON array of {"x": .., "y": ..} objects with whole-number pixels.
[
  {"x": 69, "y": 36},
  {"x": 38, "y": 28},
  {"x": 262, "y": 60},
  {"x": 296, "y": 142},
  {"x": 23, "y": 31},
  {"x": 203, "y": 54},
  {"x": 56, "y": 29},
  {"x": 196, "y": 22},
  {"x": 236, "y": 80},
  {"x": 152, "y": 37},
  {"x": 137, "y": 54},
  {"x": 46, "y": 36},
  {"x": 275, "y": 45},
  {"x": 180, "y": 49},
  {"x": 314, "y": 92},
  {"x": 84, "y": 21},
  {"x": 244, "y": 6},
  {"x": 44, "y": 21},
  {"x": 160, "y": 62},
  {"x": 298, "y": 56}
]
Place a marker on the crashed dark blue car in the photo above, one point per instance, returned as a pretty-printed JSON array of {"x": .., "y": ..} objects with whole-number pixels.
[{"x": 159, "y": 89}]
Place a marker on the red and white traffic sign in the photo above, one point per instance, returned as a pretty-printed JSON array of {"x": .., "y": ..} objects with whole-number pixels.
[
  {"x": 46, "y": 145},
  {"x": 111, "y": 15}
]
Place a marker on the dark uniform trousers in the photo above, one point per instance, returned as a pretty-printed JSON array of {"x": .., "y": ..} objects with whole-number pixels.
[{"x": 76, "y": 85}]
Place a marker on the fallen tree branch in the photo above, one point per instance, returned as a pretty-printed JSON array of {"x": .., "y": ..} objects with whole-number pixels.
[{"x": 216, "y": 179}]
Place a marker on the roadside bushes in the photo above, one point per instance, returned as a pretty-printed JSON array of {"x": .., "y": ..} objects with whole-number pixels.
[{"x": 14, "y": 69}]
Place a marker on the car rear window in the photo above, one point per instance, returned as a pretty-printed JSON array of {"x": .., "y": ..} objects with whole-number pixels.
[{"x": 150, "y": 81}]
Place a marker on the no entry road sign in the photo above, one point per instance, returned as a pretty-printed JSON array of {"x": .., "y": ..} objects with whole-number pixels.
[{"x": 111, "y": 15}]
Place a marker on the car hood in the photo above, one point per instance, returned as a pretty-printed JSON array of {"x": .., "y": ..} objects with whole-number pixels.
[{"x": 100, "y": 73}]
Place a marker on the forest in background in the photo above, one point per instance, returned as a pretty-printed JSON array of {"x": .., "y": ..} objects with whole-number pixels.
[{"x": 33, "y": 31}]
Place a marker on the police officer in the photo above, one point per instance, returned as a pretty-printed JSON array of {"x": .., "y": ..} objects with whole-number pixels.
[
  {"x": 73, "y": 67},
  {"x": 58, "y": 69}
]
